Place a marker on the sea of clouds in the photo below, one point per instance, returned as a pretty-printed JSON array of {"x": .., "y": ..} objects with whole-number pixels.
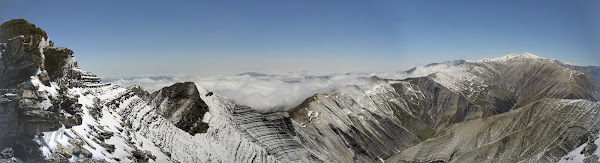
[{"x": 273, "y": 92}]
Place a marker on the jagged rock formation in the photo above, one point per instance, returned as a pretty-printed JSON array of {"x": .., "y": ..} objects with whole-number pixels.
[
  {"x": 508, "y": 109},
  {"x": 20, "y": 59},
  {"x": 30, "y": 103},
  {"x": 181, "y": 104},
  {"x": 56, "y": 59},
  {"x": 18, "y": 27}
]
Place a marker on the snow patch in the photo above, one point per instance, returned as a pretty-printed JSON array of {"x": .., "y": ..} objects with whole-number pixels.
[
  {"x": 43, "y": 44},
  {"x": 576, "y": 155},
  {"x": 51, "y": 90},
  {"x": 454, "y": 77},
  {"x": 512, "y": 56},
  {"x": 51, "y": 140}
]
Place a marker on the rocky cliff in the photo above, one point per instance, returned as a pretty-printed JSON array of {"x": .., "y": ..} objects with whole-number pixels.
[{"x": 30, "y": 101}]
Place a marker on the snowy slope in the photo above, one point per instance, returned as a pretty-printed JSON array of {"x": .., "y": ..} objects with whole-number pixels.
[
  {"x": 357, "y": 123},
  {"x": 91, "y": 134},
  {"x": 236, "y": 133}
]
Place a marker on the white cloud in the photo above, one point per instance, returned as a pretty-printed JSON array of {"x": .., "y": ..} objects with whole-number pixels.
[
  {"x": 440, "y": 68},
  {"x": 268, "y": 92}
]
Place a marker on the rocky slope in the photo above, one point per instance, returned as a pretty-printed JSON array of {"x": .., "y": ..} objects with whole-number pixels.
[
  {"x": 367, "y": 123},
  {"x": 542, "y": 131},
  {"x": 518, "y": 107}
]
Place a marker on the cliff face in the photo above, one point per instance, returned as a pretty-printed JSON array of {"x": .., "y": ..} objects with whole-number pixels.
[
  {"x": 21, "y": 58},
  {"x": 30, "y": 103}
]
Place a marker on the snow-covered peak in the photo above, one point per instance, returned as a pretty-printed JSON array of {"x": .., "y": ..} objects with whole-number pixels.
[
  {"x": 512, "y": 56},
  {"x": 532, "y": 56}
]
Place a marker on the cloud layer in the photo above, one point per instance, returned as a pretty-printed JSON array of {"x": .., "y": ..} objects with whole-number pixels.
[{"x": 268, "y": 92}]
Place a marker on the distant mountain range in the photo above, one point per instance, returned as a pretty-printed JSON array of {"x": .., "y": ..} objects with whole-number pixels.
[{"x": 516, "y": 108}]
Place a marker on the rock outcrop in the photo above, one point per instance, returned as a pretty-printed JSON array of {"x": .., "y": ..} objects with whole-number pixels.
[
  {"x": 18, "y": 27},
  {"x": 20, "y": 58},
  {"x": 30, "y": 103},
  {"x": 56, "y": 61},
  {"x": 181, "y": 104}
]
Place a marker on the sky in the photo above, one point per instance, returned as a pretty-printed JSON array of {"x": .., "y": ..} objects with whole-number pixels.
[{"x": 146, "y": 37}]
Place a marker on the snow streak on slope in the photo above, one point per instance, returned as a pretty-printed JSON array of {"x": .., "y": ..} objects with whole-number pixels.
[
  {"x": 91, "y": 133},
  {"x": 127, "y": 124},
  {"x": 456, "y": 78},
  {"x": 542, "y": 131}
]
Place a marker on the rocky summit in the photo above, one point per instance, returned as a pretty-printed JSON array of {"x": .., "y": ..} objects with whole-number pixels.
[{"x": 516, "y": 108}]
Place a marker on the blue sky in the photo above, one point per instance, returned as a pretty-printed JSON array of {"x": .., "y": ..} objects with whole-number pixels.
[{"x": 144, "y": 37}]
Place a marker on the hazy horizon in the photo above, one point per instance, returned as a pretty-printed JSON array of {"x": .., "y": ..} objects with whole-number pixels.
[{"x": 275, "y": 37}]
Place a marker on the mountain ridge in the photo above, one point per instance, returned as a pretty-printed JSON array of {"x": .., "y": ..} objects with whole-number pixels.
[{"x": 69, "y": 114}]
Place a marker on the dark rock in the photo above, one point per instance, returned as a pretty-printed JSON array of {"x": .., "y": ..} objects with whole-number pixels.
[
  {"x": 55, "y": 61},
  {"x": 21, "y": 59},
  {"x": 20, "y": 55},
  {"x": 35, "y": 122},
  {"x": 70, "y": 121},
  {"x": 209, "y": 94},
  {"x": 149, "y": 154},
  {"x": 44, "y": 78},
  {"x": 82, "y": 152},
  {"x": 96, "y": 109},
  {"x": 109, "y": 147},
  {"x": 589, "y": 149},
  {"x": 17, "y": 27},
  {"x": 140, "y": 156},
  {"x": 138, "y": 91},
  {"x": 106, "y": 134},
  {"x": 61, "y": 154},
  {"x": 182, "y": 105}
]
